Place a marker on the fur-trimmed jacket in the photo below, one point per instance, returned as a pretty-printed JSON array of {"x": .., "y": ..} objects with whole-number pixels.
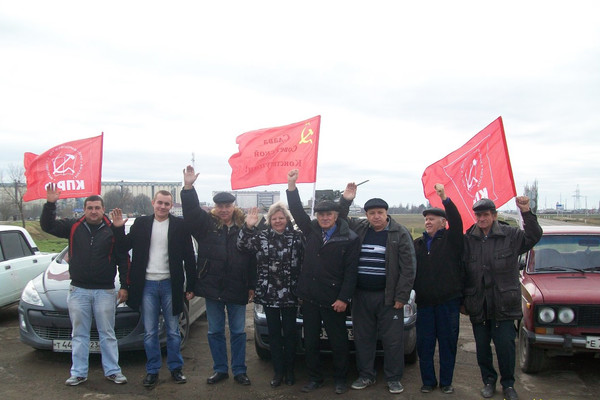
[{"x": 225, "y": 273}]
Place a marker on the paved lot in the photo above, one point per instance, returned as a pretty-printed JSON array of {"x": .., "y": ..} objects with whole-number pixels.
[{"x": 26, "y": 373}]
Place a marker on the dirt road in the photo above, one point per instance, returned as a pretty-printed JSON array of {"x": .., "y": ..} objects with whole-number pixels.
[{"x": 26, "y": 373}]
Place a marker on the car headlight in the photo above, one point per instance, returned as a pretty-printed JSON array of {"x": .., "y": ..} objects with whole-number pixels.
[
  {"x": 546, "y": 315},
  {"x": 31, "y": 296},
  {"x": 566, "y": 315}
]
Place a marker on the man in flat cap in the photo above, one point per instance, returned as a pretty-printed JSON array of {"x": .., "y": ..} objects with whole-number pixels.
[
  {"x": 226, "y": 276},
  {"x": 325, "y": 285},
  {"x": 386, "y": 271},
  {"x": 492, "y": 294},
  {"x": 438, "y": 286}
]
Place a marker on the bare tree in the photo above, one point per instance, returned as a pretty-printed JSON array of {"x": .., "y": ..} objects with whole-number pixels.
[
  {"x": 141, "y": 205},
  {"x": 532, "y": 193},
  {"x": 16, "y": 191},
  {"x": 118, "y": 198}
]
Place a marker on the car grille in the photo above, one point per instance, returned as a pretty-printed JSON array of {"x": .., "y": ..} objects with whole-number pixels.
[
  {"x": 50, "y": 333},
  {"x": 589, "y": 316}
]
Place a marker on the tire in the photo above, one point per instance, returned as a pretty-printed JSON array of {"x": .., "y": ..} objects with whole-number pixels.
[
  {"x": 531, "y": 359},
  {"x": 184, "y": 325},
  {"x": 411, "y": 357},
  {"x": 263, "y": 354}
]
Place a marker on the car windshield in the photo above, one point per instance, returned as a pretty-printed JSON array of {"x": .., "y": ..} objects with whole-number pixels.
[{"x": 567, "y": 253}]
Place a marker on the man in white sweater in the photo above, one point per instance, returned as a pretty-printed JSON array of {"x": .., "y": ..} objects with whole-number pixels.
[{"x": 162, "y": 260}]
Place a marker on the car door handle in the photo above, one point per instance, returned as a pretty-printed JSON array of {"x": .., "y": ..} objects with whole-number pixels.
[
  {"x": 7, "y": 267},
  {"x": 35, "y": 260}
]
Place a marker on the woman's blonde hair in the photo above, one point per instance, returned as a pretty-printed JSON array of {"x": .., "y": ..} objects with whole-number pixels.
[{"x": 275, "y": 207}]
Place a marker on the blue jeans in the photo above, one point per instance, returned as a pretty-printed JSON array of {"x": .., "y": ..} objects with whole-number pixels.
[
  {"x": 99, "y": 304},
  {"x": 236, "y": 313},
  {"x": 438, "y": 323},
  {"x": 158, "y": 296}
]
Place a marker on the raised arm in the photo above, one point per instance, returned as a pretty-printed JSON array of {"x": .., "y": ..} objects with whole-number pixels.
[
  {"x": 302, "y": 219},
  {"x": 48, "y": 221}
]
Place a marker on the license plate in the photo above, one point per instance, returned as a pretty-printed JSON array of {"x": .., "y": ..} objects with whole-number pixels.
[
  {"x": 323, "y": 334},
  {"x": 66, "y": 346},
  {"x": 592, "y": 342}
]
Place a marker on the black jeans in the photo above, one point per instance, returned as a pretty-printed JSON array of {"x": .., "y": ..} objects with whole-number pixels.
[
  {"x": 283, "y": 347},
  {"x": 335, "y": 326},
  {"x": 503, "y": 333}
]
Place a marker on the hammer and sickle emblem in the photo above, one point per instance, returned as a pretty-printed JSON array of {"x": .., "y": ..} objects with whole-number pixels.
[
  {"x": 304, "y": 139},
  {"x": 63, "y": 165}
]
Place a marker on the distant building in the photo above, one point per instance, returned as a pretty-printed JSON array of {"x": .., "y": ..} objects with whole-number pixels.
[
  {"x": 249, "y": 199},
  {"x": 147, "y": 188}
]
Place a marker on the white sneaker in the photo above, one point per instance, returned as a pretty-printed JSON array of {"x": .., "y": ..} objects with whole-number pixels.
[
  {"x": 117, "y": 378},
  {"x": 75, "y": 380}
]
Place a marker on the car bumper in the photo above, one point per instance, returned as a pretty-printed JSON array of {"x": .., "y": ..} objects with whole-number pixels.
[
  {"x": 261, "y": 335},
  {"x": 563, "y": 342},
  {"x": 39, "y": 327}
]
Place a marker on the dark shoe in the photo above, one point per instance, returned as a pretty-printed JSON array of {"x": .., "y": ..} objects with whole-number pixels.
[
  {"x": 217, "y": 377},
  {"x": 290, "y": 379},
  {"x": 510, "y": 393},
  {"x": 362, "y": 383},
  {"x": 276, "y": 381},
  {"x": 427, "y": 388},
  {"x": 395, "y": 387},
  {"x": 150, "y": 380},
  {"x": 310, "y": 386},
  {"x": 488, "y": 390},
  {"x": 447, "y": 389},
  {"x": 178, "y": 377},
  {"x": 341, "y": 387},
  {"x": 242, "y": 379}
]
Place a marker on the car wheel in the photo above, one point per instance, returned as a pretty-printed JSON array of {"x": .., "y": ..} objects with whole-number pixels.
[
  {"x": 531, "y": 358},
  {"x": 411, "y": 357},
  {"x": 263, "y": 354},
  {"x": 184, "y": 325}
]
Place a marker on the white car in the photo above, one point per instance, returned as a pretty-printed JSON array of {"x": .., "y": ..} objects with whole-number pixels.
[{"x": 20, "y": 261}]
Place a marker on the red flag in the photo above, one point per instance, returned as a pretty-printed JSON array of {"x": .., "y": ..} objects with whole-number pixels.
[
  {"x": 479, "y": 169},
  {"x": 75, "y": 167},
  {"x": 267, "y": 155}
]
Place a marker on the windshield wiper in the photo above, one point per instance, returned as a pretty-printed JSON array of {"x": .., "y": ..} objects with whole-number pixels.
[
  {"x": 557, "y": 268},
  {"x": 592, "y": 269}
]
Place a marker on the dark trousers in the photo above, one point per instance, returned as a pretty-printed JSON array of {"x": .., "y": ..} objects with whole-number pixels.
[
  {"x": 503, "y": 333},
  {"x": 371, "y": 319},
  {"x": 335, "y": 326},
  {"x": 283, "y": 347},
  {"x": 439, "y": 324}
]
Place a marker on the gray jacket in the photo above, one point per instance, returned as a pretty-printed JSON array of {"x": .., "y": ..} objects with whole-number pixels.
[{"x": 400, "y": 260}]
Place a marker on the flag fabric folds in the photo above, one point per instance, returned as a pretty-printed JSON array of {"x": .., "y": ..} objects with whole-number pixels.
[
  {"x": 266, "y": 156},
  {"x": 75, "y": 167},
  {"x": 479, "y": 169}
]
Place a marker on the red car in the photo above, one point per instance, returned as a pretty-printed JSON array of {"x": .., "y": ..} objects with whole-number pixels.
[{"x": 560, "y": 286}]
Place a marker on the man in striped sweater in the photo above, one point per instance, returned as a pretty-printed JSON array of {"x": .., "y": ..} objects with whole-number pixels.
[{"x": 386, "y": 272}]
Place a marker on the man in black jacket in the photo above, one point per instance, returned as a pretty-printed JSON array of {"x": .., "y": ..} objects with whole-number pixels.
[
  {"x": 438, "y": 286},
  {"x": 93, "y": 260},
  {"x": 162, "y": 260},
  {"x": 492, "y": 293},
  {"x": 326, "y": 284},
  {"x": 226, "y": 276}
]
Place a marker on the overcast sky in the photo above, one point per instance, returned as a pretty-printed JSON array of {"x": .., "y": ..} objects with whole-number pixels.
[{"x": 399, "y": 85}]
